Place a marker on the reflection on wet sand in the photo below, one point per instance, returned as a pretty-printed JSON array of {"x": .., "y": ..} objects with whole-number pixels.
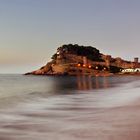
[{"x": 88, "y": 82}]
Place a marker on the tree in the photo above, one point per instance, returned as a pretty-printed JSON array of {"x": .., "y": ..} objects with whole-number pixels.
[
  {"x": 54, "y": 56},
  {"x": 88, "y": 51}
]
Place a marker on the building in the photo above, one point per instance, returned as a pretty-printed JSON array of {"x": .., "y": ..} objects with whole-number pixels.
[{"x": 131, "y": 70}]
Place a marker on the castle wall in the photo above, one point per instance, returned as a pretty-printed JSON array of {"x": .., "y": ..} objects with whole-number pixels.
[{"x": 109, "y": 61}]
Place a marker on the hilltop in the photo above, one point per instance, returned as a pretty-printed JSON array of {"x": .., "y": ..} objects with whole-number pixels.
[{"x": 78, "y": 60}]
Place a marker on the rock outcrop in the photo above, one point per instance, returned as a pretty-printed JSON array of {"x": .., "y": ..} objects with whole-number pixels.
[{"x": 76, "y": 60}]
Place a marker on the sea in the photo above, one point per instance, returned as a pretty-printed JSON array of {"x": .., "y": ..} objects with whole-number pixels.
[{"x": 69, "y": 108}]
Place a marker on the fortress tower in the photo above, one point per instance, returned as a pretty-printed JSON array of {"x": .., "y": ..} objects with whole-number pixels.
[
  {"x": 60, "y": 57},
  {"x": 136, "y": 59},
  {"x": 108, "y": 60},
  {"x": 85, "y": 61},
  {"x": 136, "y": 62}
]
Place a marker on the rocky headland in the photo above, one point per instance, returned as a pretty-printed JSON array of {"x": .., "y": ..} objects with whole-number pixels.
[{"x": 85, "y": 60}]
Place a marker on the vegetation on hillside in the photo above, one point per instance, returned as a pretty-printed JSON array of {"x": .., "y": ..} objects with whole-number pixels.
[
  {"x": 54, "y": 56},
  {"x": 88, "y": 51},
  {"x": 114, "y": 69}
]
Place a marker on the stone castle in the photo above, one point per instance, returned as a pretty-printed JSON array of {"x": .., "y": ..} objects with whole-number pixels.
[{"x": 73, "y": 60}]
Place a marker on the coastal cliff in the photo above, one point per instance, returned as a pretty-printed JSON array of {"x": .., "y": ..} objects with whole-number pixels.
[{"x": 84, "y": 60}]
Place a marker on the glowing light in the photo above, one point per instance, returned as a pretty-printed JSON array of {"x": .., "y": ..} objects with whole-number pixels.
[
  {"x": 96, "y": 67},
  {"x": 84, "y": 65},
  {"x": 89, "y": 66},
  {"x": 78, "y": 65}
]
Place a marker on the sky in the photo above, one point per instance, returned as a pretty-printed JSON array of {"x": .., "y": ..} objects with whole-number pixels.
[{"x": 32, "y": 30}]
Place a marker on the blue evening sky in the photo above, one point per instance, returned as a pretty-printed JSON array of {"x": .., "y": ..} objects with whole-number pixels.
[{"x": 31, "y": 30}]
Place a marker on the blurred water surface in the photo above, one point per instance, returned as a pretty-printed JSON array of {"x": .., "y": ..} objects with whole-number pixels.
[{"x": 69, "y": 108}]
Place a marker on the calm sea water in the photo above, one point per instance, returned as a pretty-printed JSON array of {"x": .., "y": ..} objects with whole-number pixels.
[{"x": 69, "y": 108}]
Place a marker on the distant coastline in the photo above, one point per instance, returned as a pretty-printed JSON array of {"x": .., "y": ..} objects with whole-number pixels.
[{"x": 86, "y": 60}]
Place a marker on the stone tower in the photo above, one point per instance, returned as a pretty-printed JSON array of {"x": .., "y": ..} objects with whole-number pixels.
[
  {"x": 108, "y": 60},
  {"x": 60, "y": 57},
  {"x": 85, "y": 61},
  {"x": 136, "y": 61}
]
